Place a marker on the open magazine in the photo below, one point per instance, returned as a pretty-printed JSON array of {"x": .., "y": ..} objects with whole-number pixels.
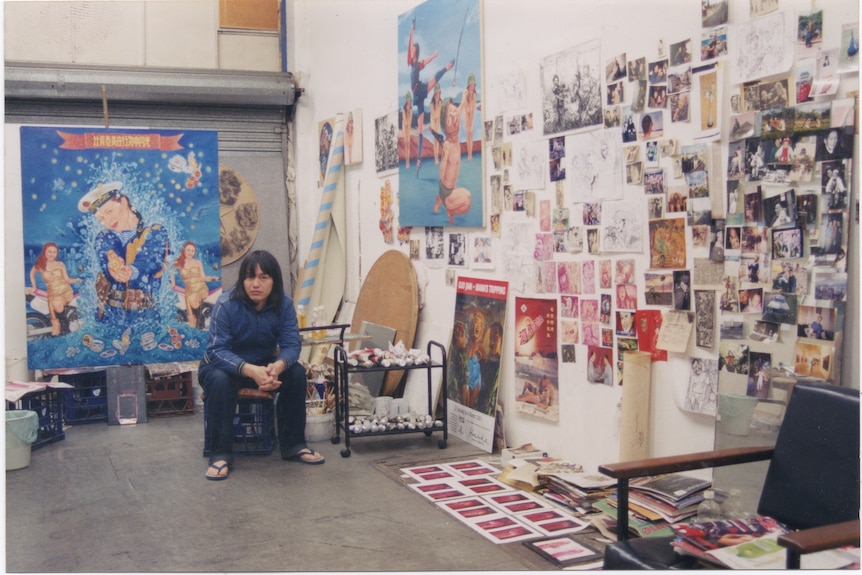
[
  {"x": 747, "y": 544},
  {"x": 766, "y": 553},
  {"x": 707, "y": 535}
]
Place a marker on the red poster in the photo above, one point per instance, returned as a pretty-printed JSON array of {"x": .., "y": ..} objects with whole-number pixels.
[{"x": 536, "y": 363}]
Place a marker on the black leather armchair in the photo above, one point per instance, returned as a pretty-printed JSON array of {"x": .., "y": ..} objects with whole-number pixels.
[{"x": 812, "y": 484}]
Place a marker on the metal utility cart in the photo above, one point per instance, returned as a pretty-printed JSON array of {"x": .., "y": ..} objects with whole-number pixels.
[{"x": 342, "y": 402}]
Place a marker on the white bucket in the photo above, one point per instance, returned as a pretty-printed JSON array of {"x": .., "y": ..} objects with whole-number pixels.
[
  {"x": 319, "y": 427},
  {"x": 18, "y": 450}
]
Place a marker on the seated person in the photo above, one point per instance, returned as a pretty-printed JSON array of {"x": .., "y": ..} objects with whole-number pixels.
[{"x": 254, "y": 342}]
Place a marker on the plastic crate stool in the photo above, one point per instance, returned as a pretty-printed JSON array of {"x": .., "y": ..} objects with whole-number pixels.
[
  {"x": 48, "y": 405},
  {"x": 87, "y": 400},
  {"x": 253, "y": 423}
]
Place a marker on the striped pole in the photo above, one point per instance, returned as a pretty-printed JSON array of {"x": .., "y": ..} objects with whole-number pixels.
[{"x": 316, "y": 265}]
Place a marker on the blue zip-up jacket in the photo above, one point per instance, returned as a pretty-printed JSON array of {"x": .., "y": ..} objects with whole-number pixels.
[{"x": 240, "y": 334}]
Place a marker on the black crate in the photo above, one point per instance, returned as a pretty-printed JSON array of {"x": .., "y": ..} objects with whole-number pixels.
[
  {"x": 170, "y": 394},
  {"x": 48, "y": 405},
  {"x": 253, "y": 427},
  {"x": 87, "y": 401}
]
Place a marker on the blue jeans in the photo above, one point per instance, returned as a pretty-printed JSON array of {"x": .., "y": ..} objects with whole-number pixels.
[{"x": 221, "y": 389}]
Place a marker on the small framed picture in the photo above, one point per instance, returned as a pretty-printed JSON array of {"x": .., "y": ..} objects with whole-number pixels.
[{"x": 563, "y": 550}]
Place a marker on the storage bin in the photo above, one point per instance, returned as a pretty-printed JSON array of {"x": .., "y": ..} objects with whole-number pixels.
[
  {"x": 170, "y": 394},
  {"x": 87, "y": 401}
]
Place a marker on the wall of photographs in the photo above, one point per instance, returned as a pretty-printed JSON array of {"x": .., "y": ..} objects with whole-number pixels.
[{"x": 620, "y": 147}]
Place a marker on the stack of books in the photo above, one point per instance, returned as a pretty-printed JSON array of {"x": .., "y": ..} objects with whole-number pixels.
[
  {"x": 575, "y": 490},
  {"x": 672, "y": 498}
]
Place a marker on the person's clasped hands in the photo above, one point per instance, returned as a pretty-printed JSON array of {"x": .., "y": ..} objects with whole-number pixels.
[{"x": 266, "y": 377}]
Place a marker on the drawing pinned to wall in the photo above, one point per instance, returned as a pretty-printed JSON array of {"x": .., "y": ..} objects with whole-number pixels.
[
  {"x": 439, "y": 60},
  {"x": 622, "y": 224},
  {"x": 761, "y": 47},
  {"x": 594, "y": 166},
  {"x": 353, "y": 137},
  {"x": 511, "y": 90},
  {"x": 100, "y": 234},
  {"x": 702, "y": 393},
  {"x": 386, "y": 143},
  {"x": 530, "y": 167},
  {"x": 571, "y": 88}
]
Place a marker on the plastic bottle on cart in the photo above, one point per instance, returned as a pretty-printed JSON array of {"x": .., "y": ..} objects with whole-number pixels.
[
  {"x": 300, "y": 316},
  {"x": 732, "y": 508},
  {"x": 709, "y": 509},
  {"x": 316, "y": 321}
]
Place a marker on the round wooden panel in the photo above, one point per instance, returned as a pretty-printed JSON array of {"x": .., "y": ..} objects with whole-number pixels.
[
  {"x": 240, "y": 217},
  {"x": 390, "y": 297}
]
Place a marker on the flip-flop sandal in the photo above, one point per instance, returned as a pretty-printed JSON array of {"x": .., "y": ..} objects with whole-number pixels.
[
  {"x": 218, "y": 468},
  {"x": 304, "y": 453}
]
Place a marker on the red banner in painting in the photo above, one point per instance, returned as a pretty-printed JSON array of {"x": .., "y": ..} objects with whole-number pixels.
[{"x": 120, "y": 141}]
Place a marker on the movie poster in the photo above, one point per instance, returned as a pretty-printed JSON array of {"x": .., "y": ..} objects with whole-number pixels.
[
  {"x": 121, "y": 244},
  {"x": 439, "y": 114},
  {"x": 536, "y": 362},
  {"x": 474, "y": 359}
]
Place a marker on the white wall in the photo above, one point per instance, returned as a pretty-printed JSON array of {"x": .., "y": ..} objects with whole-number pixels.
[{"x": 345, "y": 56}]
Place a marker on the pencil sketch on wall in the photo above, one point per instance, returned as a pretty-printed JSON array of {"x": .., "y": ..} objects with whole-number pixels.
[
  {"x": 762, "y": 48},
  {"x": 511, "y": 90},
  {"x": 571, "y": 88},
  {"x": 621, "y": 227},
  {"x": 595, "y": 166}
]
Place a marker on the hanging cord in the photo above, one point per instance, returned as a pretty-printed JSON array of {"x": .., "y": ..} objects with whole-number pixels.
[{"x": 105, "y": 105}]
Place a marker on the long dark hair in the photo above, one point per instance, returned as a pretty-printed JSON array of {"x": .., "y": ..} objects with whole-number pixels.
[{"x": 268, "y": 265}]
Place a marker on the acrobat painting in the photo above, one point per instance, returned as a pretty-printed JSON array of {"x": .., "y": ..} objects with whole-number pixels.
[
  {"x": 440, "y": 120},
  {"x": 121, "y": 244}
]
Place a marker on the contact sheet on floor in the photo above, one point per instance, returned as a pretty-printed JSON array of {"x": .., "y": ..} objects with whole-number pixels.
[{"x": 470, "y": 492}]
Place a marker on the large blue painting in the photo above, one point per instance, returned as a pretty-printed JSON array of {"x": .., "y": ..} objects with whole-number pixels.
[
  {"x": 121, "y": 244},
  {"x": 440, "y": 118}
]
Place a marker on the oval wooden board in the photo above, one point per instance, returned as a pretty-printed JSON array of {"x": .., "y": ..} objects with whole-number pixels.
[{"x": 390, "y": 297}]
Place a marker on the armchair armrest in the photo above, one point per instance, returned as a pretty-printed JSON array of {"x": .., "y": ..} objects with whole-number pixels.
[
  {"x": 818, "y": 539},
  {"x": 625, "y": 470}
]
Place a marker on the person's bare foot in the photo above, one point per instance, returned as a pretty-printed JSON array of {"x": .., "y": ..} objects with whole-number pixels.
[{"x": 218, "y": 470}]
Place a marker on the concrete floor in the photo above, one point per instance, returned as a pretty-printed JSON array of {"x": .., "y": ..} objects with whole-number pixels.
[{"x": 134, "y": 498}]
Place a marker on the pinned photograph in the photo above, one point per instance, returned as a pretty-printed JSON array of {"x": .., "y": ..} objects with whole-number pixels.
[
  {"x": 780, "y": 308},
  {"x": 816, "y": 322},
  {"x": 764, "y": 331},
  {"x": 759, "y": 375},
  {"x": 813, "y": 359}
]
